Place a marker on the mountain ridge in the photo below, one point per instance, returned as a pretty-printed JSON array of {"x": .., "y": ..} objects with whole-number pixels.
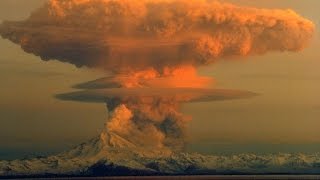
[{"x": 100, "y": 157}]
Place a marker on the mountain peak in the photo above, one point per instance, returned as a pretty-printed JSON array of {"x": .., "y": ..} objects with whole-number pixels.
[{"x": 111, "y": 154}]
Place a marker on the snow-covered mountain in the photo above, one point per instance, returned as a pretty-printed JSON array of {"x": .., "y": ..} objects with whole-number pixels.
[{"x": 118, "y": 156}]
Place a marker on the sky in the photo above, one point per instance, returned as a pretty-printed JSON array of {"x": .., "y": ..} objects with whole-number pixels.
[{"x": 284, "y": 117}]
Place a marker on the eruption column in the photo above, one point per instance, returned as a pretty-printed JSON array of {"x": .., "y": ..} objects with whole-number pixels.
[
  {"x": 150, "y": 44},
  {"x": 152, "y": 49},
  {"x": 150, "y": 124}
]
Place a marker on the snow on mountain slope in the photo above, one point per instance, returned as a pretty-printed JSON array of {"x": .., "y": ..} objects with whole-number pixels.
[{"x": 101, "y": 157}]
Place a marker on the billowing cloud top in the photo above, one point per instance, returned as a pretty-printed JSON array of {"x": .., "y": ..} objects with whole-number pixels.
[
  {"x": 153, "y": 47},
  {"x": 118, "y": 35}
]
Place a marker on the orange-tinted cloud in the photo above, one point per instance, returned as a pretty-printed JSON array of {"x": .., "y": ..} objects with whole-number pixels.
[
  {"x": 149, "y": 118},
  {"x": 174, "y": 77},
  {"x": 176, "y": 94},
  {"x": 153, "y": 48},
  {"x": 117, "y": 35}
]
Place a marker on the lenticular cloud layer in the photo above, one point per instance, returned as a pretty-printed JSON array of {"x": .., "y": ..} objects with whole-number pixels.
[{"x": 117, "y": 35}]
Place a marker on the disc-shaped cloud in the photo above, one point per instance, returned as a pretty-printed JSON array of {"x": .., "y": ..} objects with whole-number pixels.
[{"x": 166, "y": 94}]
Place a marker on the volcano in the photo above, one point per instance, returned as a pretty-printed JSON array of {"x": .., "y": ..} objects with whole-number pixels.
[
  {"x": 111, "y": 154},
  {"x": 151, "y": 49}
]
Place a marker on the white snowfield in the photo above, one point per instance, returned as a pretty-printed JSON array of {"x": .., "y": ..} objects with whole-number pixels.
[{"x": 99, "y": 153}]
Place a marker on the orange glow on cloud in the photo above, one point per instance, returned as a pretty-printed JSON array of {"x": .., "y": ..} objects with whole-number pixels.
[
  {"x": 182, "y": 77},
  {"x": 152, "y": 44},
  {"x": 137, "y": 35},
  {"x": 174, "y": 77}
]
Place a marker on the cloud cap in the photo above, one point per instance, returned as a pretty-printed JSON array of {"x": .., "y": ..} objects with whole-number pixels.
[{"x": 171, "y": 94}]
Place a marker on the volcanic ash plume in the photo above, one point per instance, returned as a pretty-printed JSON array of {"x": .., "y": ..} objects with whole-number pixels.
[
  {"x": 122, "y": 35},
  {"x": 152, "y": 49},
  {"x": 153, "y": 44},
  {"x": 150, "y": 123},
  {"x": 147, "y": 124}
]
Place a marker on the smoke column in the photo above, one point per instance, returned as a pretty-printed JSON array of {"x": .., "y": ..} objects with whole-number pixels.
[
  {"x": 151, "y": 124},
  {"x": 152, "y": 44}
]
